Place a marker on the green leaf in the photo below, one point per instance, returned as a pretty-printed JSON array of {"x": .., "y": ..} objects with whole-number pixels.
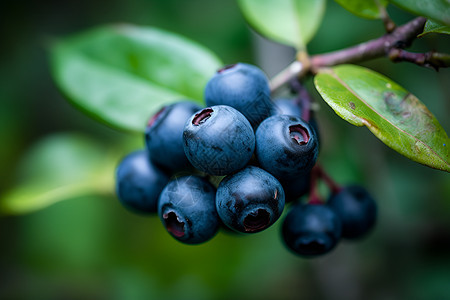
[
  {"x": 438, "y": 10},
  {"x": 431, "y": 26},
  {"x": 123, "y": 74},
  {"x": 291, "y": 22},
  {"x": 58, "y": 168},
  {"x": 365, "y": 98},
  {"x": 370, "y": 9}
]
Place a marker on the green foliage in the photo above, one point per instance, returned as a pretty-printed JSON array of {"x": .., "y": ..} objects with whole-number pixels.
[
  {"x": 92, "y": 248},
  {"x": 434, "y": 27},
  {"x": 438, "y": 10},
  {"x": 122, "y": 74},
  {"x": 60, "y": 167},
  {"x": 291, "y": 22},
  {"x": 370, "y": 9},
  {"x": 365, "y": 98}
]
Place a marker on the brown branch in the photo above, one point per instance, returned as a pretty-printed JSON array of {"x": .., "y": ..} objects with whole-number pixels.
[
  {"x": 429, "y": 59},
  {"x": 401, "y": 37}
]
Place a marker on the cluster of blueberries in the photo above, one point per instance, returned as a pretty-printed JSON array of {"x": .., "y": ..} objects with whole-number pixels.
[{"x": 259, "y": 152}]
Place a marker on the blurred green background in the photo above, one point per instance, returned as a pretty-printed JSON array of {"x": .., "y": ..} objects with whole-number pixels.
[{"x": 91, "y": 248}]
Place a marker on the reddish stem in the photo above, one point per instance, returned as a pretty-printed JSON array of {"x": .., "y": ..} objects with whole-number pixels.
[
  {"x": 306, "y": 104},
  {"x": 389, "y": 24},
  {"x": 303, "y": 99},
  {"x": 332, "y": 185},
  {"x": 314, "y": 197}
]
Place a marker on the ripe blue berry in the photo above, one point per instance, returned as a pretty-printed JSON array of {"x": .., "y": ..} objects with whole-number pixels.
[
  {"x": 286, "y": 106},
  {"x": 250, "y": 200},
  {"x": 244, "y": 87},
  {"x": 187, "y": 209},
  {"x": 296, "y": 187},
  {"x": 311, "y": 229},
  {"x": 357, "y": 210},
  {"x": 218, "y": 140},
  {"x": 164, "y": 135},
  {"x": 139, "y": 182},
  {"x": 291, "y": 107},
  {"x": 286, "y": 146}
]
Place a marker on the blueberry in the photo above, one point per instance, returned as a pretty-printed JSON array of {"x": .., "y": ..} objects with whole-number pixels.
[
  {"x": 311, "y": 229},
  {"x": 250, "y": 200},
  {"x": 218, "y": 140},
  {"x": 187, "y": 209},
  {"x": 357, "y": 210},
  {"x": 139, "y": 182},
  {"x": 296, "y": 187},
  {"x": 286, "y": 106},
  {"x": 244, "y": 87},
  {"x": 286, "y": 146},
  {"x": 164, "y": 135}
]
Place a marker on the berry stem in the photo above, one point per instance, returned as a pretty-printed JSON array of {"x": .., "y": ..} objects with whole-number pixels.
[
  {"x": 306, "y": 101},
  {"x": 294, "y": 70},
  {"x": 303, "y": 99},
  {"x": 314, "y": 197},
  {"x": 332, "y": 185},
  {"x": 388, "y": 23}
]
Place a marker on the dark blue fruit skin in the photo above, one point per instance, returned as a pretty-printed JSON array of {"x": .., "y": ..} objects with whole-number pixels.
[
  {"x": 281, "y": 155},
  {"x": 139, "y": 182},
  {"x": 297, "y": 187},
  {"x": 221, "y": 143},
  {"x": 250, "y": 200},
  {"x": 357, "y": 210},
  {"x": 285, "y": 106},
  {"x": 187, "y": 209},
  {"x": 300, "y": 185},
  {"x": 244, "y": 87},
  {"x": 164, "y": 135},
  {"x": 311, "y": 229}
]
